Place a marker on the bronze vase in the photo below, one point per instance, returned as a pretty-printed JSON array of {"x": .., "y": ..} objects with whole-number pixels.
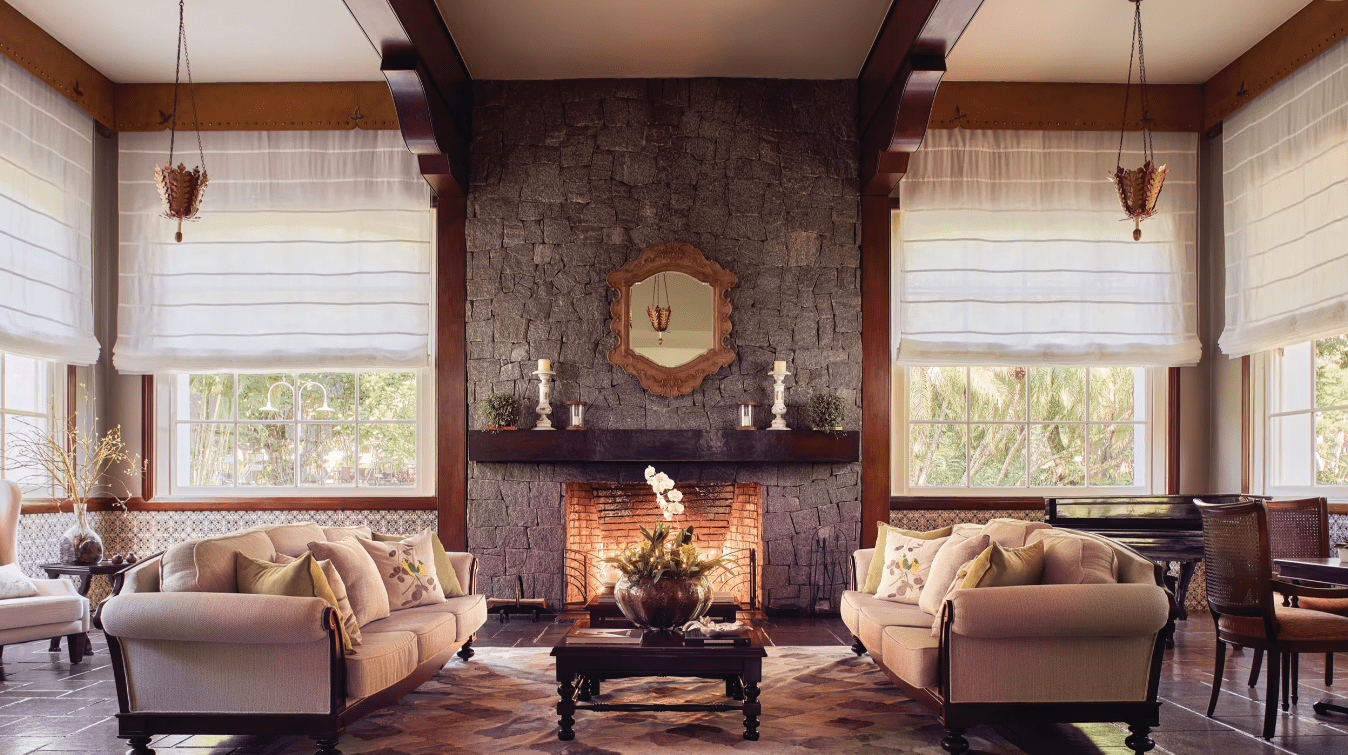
[{"x": 666, "y": 604}]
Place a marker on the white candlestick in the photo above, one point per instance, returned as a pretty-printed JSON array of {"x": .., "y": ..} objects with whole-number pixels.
[
  {"x": 779, "y": 374},
  {"x": 544, "y": 407}
]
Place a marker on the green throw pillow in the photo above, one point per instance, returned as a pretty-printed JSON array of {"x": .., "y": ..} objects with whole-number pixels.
[
  {"x": 444, "y": 572},
  {"x": 302, "y": 577},
  {"x": 999, "y": 566},
  {"x": 878, "y": 564}
]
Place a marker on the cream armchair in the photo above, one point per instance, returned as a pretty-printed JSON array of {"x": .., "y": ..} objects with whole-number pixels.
[{"x": 56, "y": 610}]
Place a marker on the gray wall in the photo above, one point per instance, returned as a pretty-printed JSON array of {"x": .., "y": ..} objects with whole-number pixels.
[{"x": 572, "y": 179}]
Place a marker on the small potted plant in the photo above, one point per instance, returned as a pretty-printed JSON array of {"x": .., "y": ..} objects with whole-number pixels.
[
  {"x": 501, "y": 411},
  {"x": 825, "y": 411}
]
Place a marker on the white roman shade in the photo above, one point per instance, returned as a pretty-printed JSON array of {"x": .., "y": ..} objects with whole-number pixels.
[
  {"x": 46, "y": 193},
  {"x": 1285, "y": 181},
  {"x": 312, "y": 250},
  {"x": 1011, "y": 251}
]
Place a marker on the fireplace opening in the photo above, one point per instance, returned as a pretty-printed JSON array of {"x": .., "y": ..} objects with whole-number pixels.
[{"x": 603, "y": 518}]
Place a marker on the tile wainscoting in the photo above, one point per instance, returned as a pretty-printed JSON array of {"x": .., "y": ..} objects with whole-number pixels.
[{"x": 149, "y": 532}]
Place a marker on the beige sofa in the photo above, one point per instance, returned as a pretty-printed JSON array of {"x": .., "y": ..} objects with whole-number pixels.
[
  {"x": 230, "y": 663},
  {"x": 1053, "y": 653}
]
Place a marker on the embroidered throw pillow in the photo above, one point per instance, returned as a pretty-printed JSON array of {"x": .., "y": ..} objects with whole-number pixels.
[
  {"x": 906, "y": 566},
  {"x": 882, "y": 532},
  {"x": 407, "y": 568},
  {"x": 444, "y": 571}
]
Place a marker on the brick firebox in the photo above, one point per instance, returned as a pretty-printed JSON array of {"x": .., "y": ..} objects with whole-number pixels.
[{"x": 603, "y": 518}]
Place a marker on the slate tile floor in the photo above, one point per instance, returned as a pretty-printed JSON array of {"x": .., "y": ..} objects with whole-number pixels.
[{"x": 48, "y": 705}]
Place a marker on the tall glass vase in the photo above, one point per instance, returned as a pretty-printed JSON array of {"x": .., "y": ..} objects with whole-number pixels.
[{"x": 80, "y": 544}]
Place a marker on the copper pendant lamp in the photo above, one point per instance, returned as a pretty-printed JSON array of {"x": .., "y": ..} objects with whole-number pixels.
[
  {"x": 180, "y": 188},
  {"x": 1141, "y": 187}
]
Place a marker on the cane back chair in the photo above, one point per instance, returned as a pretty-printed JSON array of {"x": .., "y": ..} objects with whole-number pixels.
[{"x": 1239, "y": 566}]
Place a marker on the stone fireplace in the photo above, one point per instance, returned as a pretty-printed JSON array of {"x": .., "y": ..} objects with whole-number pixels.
[
  {"x": 569, "y": 181},
  {"x": 603, "y": 518}
]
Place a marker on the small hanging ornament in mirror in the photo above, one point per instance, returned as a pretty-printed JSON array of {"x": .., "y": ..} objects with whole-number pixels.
[
  {"x": 180, "y": 188},
  {"x": 1141, "y": 187},
  {"x": 659, "y": 315}
]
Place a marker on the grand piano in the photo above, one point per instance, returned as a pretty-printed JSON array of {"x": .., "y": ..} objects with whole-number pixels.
[{"x": 1166, "y": 528}]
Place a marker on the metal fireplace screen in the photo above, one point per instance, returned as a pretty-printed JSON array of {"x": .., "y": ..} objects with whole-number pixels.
[{"x": 604, "y": 518}]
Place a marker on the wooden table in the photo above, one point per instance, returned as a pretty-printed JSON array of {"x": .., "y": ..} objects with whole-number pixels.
[
  {"x": 86, "y": 573},
  {"x": 581, "y": 669},
  {"x": 604, "y": 611},
  {"x": 1328, "y": 570}
]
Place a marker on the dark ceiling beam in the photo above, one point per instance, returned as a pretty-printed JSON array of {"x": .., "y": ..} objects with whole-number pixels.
[
  {"x": 1314, "y": 29},
  {"x": 54, "y": 64},
  {"x": 432, "y": 89},
  {"x": 897, "y": 85},
  {"x": 1064, "y": 107}
]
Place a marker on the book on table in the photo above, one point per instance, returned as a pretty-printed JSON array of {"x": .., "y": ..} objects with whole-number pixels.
[{"x": 598, "y": 636}]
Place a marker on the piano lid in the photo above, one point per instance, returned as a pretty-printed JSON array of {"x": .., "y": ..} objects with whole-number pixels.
[{"x": 1130, "y": 512}]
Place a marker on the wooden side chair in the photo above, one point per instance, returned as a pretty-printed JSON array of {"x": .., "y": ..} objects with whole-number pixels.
[
  {"x": 1240, "y": 581},
  {"x": 1300, "y": 529}
]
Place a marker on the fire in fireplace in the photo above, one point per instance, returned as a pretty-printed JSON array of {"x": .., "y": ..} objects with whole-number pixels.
[{"x": 603, "y": 518}]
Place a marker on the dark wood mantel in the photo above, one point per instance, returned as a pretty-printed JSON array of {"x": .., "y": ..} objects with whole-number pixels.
[{"x": 705, "y": 446}]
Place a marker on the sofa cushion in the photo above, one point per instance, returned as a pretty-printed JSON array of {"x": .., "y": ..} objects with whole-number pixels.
[
  {"x": 294, "y": 539},
  {"x": 877, "y": 614},
  {"x": 882, "y": 531},
  {"x": 444, "y": 572},
  {"x": 470, "y": 613},
  {"x": 1070, "y": 559},
  {"x": 954, "y": 554},
  {"x": 1011, "y": 533},
  {"x": 435, "y": 630},
  {"x": 912, "y": 654},
  {"x": 907, "y": 564},
  {"x": 207, "y": 564},
  {"x": 364, "y": 586},
  {"x": 382, "y": 660},
  {"x": 407, "y": 568},
  {"x": 41, "y": 609}
]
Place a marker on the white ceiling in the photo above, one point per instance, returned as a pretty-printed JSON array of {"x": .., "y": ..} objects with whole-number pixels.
[
  {"x": 1088, "y": 40},
  {"x": 134, "y": 41},
  {"x": 546, "y": 39}
]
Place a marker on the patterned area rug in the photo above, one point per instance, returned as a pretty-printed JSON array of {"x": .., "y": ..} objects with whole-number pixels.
[{"x": 817, "y": 700}]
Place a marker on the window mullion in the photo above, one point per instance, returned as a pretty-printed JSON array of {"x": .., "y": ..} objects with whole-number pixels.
[{"x": 968, "y": 426}]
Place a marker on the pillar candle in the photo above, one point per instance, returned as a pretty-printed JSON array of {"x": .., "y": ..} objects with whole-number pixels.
[
  {"x": 779, "y": 366},
  {"x": 544, "y": 365}
]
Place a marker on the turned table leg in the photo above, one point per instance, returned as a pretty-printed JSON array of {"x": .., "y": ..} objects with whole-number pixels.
[
  {"x": 752, "y": 709},
  {"x": 565, "y": 707}
]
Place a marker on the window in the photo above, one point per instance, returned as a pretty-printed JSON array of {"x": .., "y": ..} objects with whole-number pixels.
[
  {"x": 296, "y": 432},
  {"x": 27, "y": 405},
  {"x": 1306, "y": 428},
  {"x": 1026, "y": 428}
]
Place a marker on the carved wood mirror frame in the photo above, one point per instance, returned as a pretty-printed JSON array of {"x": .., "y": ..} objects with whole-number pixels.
[{"x": 678, "y": 257}]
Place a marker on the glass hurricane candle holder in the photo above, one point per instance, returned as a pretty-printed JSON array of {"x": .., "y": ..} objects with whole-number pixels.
[
  {"x": 577, "y": 418},
  {"x": 747, "y": 416}
]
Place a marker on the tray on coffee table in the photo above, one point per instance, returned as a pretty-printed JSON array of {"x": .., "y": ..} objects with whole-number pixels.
[{"x": 581, "y": 668}]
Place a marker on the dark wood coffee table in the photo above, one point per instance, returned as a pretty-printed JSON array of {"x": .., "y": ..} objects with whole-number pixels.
[
  {"x": 604, "y": 612},
  {"x": 581, "y": 669}
]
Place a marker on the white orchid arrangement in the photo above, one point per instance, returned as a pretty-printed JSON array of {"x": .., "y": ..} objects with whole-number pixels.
[{"x": 669, "y": 499}]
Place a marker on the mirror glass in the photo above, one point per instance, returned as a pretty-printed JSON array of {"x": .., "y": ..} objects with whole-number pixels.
[{"x": 680, "y": 304}]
